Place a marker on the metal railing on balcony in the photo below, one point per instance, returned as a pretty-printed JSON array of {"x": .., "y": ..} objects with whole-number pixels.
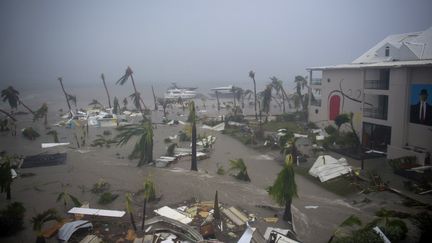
[
  {"x": 377, "y": 113},
  {"x": 316, "y": 81},
  {"x": 377, "y": 84}
]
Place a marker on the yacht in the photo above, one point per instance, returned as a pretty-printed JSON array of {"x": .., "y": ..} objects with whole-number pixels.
[{"x": 176, "y": 93}]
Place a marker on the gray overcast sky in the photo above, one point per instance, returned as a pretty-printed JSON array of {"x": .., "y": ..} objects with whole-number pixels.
[{"x": 192, "y": 41}]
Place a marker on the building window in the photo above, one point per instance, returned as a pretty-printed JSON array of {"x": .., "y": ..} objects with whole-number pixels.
[
  {"x": 387, "y": 51},
  {"x": 316, "y": 97},
  {"x": 375, "y": 136},
  {"x": 377, "y": 79},
  {"x": 376, "y": 106}
]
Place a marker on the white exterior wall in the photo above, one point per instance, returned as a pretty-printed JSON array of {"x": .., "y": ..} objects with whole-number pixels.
[{"x": 352, "y": 85}]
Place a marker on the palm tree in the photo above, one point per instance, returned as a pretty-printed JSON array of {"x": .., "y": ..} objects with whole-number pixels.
[
  {"x": 252, "y": 76},
  {"x": 42, "y": 112},
  {"x": 246, "y": 94},
  {"x": 67, "y": 96},
  {"x": 301, "y": 83},
  {"x": 54, "y": 134},
  {"x": 125, "y": 103},
  {"x": 144, "y": 147},
  {"x": 6, "y": 176},
  {"x": 266, "y": 100},
  {"x": 164, "y": 103},
  {"x": 123, "y": 79},
  {"x": 106, "y": 89},
  {"x": 65, "y": 197},
  {"x": 40, "y": 219},
  {"x": 129, "y": 209},
  {"x": 149, "y": 195},
  {"x": 116, "y": 108},
  {"x": 278, "y": 86},
  {"x": 240, "y": 168},
  {"x": 11, "y": 95},
  {"x": 154, "y": 99},
  {"x": 217, "y": 99},
  {"x": 284, "y": 188},
  {"x": 192, "y": 116}
]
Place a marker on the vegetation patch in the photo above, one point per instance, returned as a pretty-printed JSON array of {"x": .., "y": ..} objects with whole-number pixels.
[
  {"x": 11, "y": 219},
  {"x": 106, "y": 198},
  {"x": 100, "y": 187}
]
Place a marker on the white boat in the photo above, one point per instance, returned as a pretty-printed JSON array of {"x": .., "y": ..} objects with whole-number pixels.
[{"x": 179, "y": 93}]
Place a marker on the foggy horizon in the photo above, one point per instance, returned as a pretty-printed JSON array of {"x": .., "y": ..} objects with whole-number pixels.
[{"x": 191, "y": 42}]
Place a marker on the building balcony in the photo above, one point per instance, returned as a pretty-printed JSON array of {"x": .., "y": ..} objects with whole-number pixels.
[
  {"x": 376, "y": 113},
  {"x": 316, "y": 81},
  {"x": 376, "y": 84}
]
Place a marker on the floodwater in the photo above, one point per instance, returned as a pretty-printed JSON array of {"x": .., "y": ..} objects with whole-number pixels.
[{"x": 87, "y": 165}]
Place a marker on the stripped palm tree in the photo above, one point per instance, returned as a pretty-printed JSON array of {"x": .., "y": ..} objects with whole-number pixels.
[
  {"x": 67, "y": 96},
  {"x": 164, "y": 103},
  {"x": 42, "y": 113},
  {"x": 95, "y": 103},
  {"x": 125, "y": 103},
  {"x": 143, "y": 149},
  {"x": 217, "y": 99},
  {"x": 301, "y": 83},
  {"x": 129, "y": 74},
  {"x": 246, "y": 94},
  {"x": 154, "y": 99},
  {"x": 284, "y": 189},
  {"x": 106, "y": 89},
  {"x": 6, "y": 175},
  {"x": 252, "y": 76},
  {"x": 193, "y": 118},
  {"x": 11, "y": 95}
]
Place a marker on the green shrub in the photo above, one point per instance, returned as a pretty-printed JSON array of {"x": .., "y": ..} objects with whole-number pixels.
[
  {"x": 220, "y": 169},
  {"x": 395, "y": 230},
  {"x": 100, "y": 186},
  {"x": 403, "y": 163},
  {"x": 330, "y": 130},
  {"x": 11, "y": 219},
  {"x": 106, "y": 198}
]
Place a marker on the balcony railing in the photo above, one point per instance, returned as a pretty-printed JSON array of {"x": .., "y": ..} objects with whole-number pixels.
[
  {"x": 377, "y": 84},
  {"x": 377, "y": 113},
  {"x": 316, "y": 81}
]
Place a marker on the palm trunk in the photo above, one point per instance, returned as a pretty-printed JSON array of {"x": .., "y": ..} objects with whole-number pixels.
[
  {"x": 106, "y": 89},
  {"x": 155, "y": 101},
  {"x": 133, "y": 221},
  {"x": 25, "y": 106},
  {"x": 194, "y": 141},
  {"x": 144, "y": 214},
  {"x": 64, "y": 91},
  {"x": 8, "y": 192},
  {"x": 217, "y": 99},
  {"x": 255, "y": 94},
  {"x": 46, "y": 119},
  {"x": 136, "y": 92},
  {"x": 287, "y": 214},
  {"x": 283, "y": 103},
  {"x": 8, "y": 114}
]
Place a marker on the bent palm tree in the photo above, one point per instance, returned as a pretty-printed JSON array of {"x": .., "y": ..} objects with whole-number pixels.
[
  {"x": 240, "y": 168},
  {"x": 252, "y": 76},
  {"x": 285, "y": 188},
  {"x": 154, "y": 99},
  {"x": 278, "y": 86},
  {"x": 11, "y": 95},
  {"x": 40, "y": 219},
  {"x": 192, "y": 116},
  {"x": 129, "y": 74},
  {"x": 116, "y": 109},
  {"x": 106, "y": 89},
  {"x": 144, "y": 147},
  {"x": 266, "y": 100}
]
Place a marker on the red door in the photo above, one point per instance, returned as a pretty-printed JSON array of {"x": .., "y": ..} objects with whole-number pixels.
[{"x": 334, "y": 107}]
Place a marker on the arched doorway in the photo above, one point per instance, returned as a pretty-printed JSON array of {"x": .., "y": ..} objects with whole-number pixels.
[{"x": 334, "y": 106}]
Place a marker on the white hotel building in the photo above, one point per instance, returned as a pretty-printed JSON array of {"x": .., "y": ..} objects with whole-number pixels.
[{"x": 382, "y": 88}]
